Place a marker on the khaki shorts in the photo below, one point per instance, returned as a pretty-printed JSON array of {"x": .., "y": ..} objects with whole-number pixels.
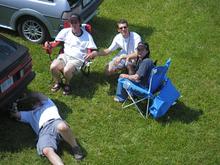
[{"x": 68, "y": 59}]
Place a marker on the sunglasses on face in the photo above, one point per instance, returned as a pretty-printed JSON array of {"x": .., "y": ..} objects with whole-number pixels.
[{"x": 123, "y": 27}]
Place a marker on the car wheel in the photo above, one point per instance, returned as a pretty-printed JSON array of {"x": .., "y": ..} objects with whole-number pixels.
[{"x": 32, "y": 30}]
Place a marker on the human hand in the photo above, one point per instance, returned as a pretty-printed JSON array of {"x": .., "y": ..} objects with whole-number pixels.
[
  {"x": 117, "y": 60},
  {"x": 123, "y": 75},
  {"x": 47, "y": 47},
  {"x": 14, "y": 113},
  {"x": 91, "y": 55}
]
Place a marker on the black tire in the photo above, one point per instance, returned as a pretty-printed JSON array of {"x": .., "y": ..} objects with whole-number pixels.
[{"x": 33, "y": 30}]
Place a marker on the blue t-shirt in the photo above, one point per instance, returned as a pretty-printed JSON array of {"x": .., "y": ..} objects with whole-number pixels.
[{"x": 41, "y": 114}]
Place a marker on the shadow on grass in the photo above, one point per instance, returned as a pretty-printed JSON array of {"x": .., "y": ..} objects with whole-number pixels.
[
  {"x": 64, "y": 110},
  {"x": 180, "y": 112},
  {"x": 86, "y": 86},
  {"x": 17, "y": 136},
  {"x": 104, "y": 30}
]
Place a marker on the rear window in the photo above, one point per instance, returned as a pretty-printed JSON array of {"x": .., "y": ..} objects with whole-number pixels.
[{"x": 6, "y": 50}]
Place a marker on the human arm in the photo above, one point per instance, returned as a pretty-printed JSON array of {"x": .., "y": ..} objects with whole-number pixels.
[
  {"x": 128, "y": 57},
  {"x": 16, "y": 115},
  {"x": 94, "y": 54},
  {"x": 48, "y": 46},
  {"x": 131, "y": 56},
  {"x": 134, "y": 77}
]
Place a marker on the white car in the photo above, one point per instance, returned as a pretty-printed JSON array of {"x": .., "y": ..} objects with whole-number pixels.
[{"x": 39, "y": 20}]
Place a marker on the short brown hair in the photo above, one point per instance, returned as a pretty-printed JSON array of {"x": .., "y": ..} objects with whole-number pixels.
[
  {"x": 75, "y": 17},
  {"x": 122, "y": 21}
]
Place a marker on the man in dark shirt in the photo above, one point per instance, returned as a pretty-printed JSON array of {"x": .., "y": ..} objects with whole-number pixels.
[{"x": 141, "y": 69}]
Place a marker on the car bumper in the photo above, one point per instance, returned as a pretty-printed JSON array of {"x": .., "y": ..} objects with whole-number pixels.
[{"x": 14, "y": 94}]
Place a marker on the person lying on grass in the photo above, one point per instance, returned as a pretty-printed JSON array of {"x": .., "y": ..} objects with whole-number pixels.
[
  {"x": 44, "y": 118},
  {"x": 140, "y": 71}
]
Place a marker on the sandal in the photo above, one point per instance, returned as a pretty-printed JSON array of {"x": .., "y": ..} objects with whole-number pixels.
[
  {"x": 66, "y": 89},
  {"x": 56, "y": 87}
]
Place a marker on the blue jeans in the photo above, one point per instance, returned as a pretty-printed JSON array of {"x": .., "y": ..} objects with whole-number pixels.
[{"x": 121, "y": 93}]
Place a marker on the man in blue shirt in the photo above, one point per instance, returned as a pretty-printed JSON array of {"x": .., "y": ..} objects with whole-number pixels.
[
  {"x": 44, "y": 118},
  {"x": 141, "y": 69}
]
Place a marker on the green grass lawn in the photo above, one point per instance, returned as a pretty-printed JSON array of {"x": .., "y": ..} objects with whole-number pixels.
[{"x": 188, "y": 31}]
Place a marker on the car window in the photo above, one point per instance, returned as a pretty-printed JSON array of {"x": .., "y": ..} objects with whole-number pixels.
[
  {"x": 71, "y": 2},
  {"x": 6, "y": 50}
]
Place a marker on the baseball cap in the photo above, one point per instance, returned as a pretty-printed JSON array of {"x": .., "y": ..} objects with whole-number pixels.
[{"x": 142, "y": 45}]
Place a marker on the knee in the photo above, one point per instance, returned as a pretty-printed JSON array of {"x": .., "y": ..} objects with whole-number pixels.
[
  {"x": 68, "y": 72},
  {"x": 53, "y": 67},
  {"x": 47, "y": 151},
  {"x": 62, "y": 127}
]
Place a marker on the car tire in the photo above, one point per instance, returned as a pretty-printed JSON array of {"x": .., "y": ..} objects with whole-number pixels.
[{"x": 33, "y": 30}]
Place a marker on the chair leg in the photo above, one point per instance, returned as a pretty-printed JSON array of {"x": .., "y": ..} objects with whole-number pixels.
[
  {"x": 133, "y": 103},
  {"x": 148, "y": 102}
]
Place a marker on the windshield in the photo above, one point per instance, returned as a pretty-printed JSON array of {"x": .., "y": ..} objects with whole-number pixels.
[{"x": 6, "y": 50}]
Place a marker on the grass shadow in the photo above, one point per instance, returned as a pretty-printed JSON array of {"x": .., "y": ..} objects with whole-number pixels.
[
  {"x": 17, "y": 136},
  {"x": 180, "y": 112},
  {"x": 64, "y": 110},
  {"x": 104, "y": 37},
  {"x": 85, "y": 86}
]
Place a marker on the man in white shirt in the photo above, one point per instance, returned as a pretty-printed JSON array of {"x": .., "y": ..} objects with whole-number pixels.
[
  {"x": 44, "y": 118},
  {"x": 126, "y": 41},
  {"x": 77, "y": 41}
]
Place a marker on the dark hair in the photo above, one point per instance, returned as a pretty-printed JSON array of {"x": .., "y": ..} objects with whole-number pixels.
[
  {"x": 122, "y": 21},
  {"x": 75, "y": 16},
  {"x": 144, "y": 45},
  {"x": 29, "y": 101}
]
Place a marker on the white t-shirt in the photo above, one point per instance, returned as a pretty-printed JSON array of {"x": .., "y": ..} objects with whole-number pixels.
[
  {"x": 38, "y": 116},
  {"x": 127, "y": 45},
  {"x": 74, "y": 46}
]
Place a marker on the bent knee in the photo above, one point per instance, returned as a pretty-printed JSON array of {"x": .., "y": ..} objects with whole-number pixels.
[
  {"x": 62, "y": 127},
  {"x": 47, "y": 151},
  {"x": 56, "y": 65}
]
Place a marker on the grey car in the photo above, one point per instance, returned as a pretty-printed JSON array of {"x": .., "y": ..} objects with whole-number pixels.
[{"x": 39, "y": 20}]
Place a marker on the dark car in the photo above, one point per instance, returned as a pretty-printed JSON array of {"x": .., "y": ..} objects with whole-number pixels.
[{"x": 15, "y": 70}]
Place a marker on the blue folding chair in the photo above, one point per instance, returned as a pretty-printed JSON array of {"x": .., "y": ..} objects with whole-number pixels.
[{"x": 156, "y": 81}]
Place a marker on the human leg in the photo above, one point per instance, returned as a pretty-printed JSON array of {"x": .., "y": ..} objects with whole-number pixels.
[
  {"x": 67, "y": 134},
  {"x": 48, "y": 141},
  {"x": 115, "y": 65},
  {"x": 52, "y": 156},
  {"x": 56, "y": 68},
  {"x": 121, "y": 94},
  {"x": 68, "y": 72},
  {"x": 72, "y": 66}
]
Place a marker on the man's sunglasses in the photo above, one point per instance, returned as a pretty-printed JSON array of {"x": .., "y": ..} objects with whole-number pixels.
[{"x": 123, "y": 27}]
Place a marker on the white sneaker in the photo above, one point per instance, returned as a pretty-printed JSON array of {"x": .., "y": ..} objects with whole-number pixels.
[{"x": 116, "y": 99}]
